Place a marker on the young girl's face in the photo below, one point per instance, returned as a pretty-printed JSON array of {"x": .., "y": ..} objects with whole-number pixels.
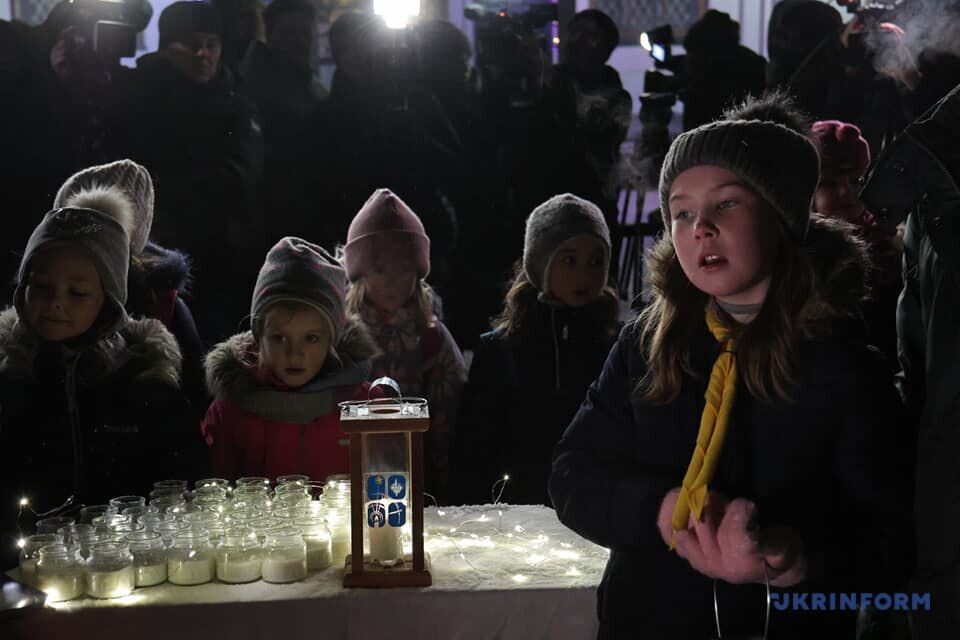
[
  {"x": 64, "y": 294},
  {"x": 576, "y": 271},
  {"x": 391, "y": 284},
  {"x": 724, "y": 234},
  {"x": 294, "y": 344},
  {"x": 836, "y": 197}
]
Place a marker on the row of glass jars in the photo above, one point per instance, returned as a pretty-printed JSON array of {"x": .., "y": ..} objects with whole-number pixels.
[{"x": 113, "y": 569}]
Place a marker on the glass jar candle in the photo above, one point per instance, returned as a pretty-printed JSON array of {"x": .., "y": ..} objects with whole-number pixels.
[
  {"x": 110, "y": 571},
  {"x": 149, "y": 558},
  {"x": 136, "y": 512},
  {"x": 285, "y": 556},
  {"x": 168, "y": 530},
  {"x": 191, "y": 559},
  {"x": 151, "y": 520},
  {"x": 253, "y": 481},
  {"x": 60, "y": 572},
  {"x": 294, "y": 478},
  {"x": 338, "y": 521},
  {"x": 239, "y": 556},
  {"x": 30, "y": 553},
  {"x": 167, "y": 502},
  {"x": 87, "y": 514},
  {"x": 107, "y": 522},
  {"x": 122, "y": 502},
  {"x": 180, "y": 485},
  {"x": 52, "y": 525},
  {"x": 264, "y": 524},
  {"x": 319, "y": 543},
  {"x": 211, "y": 482}
]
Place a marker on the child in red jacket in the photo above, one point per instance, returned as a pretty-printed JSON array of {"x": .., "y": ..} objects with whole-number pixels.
[{"x": 277, "y": 387}]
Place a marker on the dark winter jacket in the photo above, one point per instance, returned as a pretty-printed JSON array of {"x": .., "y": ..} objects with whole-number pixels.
[
  {"x": 254, "y": 428},
  {"x": 832, "y": 463},
  {"x": 522, "y": 393},
  {"x": 920, "y": 174},
  {"x": 157, "y": 283},
  {"x": 100, "y": 421},
  {"x": 202, "y": 145}
]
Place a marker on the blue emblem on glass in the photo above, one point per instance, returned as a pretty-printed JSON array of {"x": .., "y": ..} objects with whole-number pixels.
[
  {"x": 397, "y": 514},
  {"x": 397, "y": 486},
  {"x": 376, "y": 488},
  {"x": 376, "y": 515}
]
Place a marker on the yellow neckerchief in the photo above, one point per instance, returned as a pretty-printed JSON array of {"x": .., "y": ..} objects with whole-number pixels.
[{"x": 713, "y": 427}]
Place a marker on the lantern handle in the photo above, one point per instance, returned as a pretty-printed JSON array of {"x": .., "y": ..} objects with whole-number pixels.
[{"x": 385, "y": 381}]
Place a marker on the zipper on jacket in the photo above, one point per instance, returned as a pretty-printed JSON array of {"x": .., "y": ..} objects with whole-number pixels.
[{"x": 73, "y": 413}]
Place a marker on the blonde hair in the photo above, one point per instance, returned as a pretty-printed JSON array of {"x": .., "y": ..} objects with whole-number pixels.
[
  {"x": 423, "y": 296},
  {"x": 797, "y": 307},
  {"x": 522, "y": 297}
]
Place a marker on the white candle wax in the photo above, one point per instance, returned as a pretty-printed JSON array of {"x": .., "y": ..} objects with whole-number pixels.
[
  {"x": 340, "y": 549},
  {"x": 385, "y": 544},
  {"x": 63, "y": 584},
  {"x": 284, "y": 569},
  {"x": 237, "y": 570},
  {"x": 319, "y": 554},
  {"x": 189, "y": 572},
  {"x": 150, "y": 574},
  {"x": 28, "y": 571},
  {"x": 110, "y": 584}
]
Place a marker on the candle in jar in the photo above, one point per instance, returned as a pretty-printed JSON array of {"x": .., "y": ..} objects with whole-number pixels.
[
  {"x": 62, "y": 584},
  {"x": 340, "y": 548},
  {"x": 319, "y": 553},
  {"x": 385, "y": 544},
  {"x": 191, "y": 571},
  {"x": 235, "y": 570},
  {"x": 28, "y": 571},
  {"x": 284, "y": 568},
  {"x": 150, "y": 574},
  {"x": 111, "y": 584}
]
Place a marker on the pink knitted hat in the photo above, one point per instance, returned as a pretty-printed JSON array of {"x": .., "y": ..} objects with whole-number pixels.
[
  {"x": 842, "y": 148},
  {"x": 385, "y": 220}
]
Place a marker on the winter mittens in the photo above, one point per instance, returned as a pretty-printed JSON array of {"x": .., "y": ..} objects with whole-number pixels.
[{"x": 725, "y": 544}]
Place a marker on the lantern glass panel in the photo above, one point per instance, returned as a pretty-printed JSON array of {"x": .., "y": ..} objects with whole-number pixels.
[{"x": 386, "y": 493}]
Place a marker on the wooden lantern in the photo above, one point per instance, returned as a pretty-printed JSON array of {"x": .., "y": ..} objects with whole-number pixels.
[{"x": 386, "y": 489}]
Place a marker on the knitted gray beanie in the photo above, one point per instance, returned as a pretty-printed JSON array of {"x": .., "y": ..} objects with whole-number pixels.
[
  {"x": 551, "y": 224},
  {"x": 299, "y": 271},
  {"x": 99, "y": 224},
  {"x": 780, "y": 164},
  {"x": 131, "y": 178}
]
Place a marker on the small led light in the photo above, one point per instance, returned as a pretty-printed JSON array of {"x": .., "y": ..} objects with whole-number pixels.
[
  {"x": 21, "y": 543},
  {"x": 24, "y": 502}
]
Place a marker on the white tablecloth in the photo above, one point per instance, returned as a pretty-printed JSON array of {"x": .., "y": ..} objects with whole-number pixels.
[{"x": 519, "y": 575}]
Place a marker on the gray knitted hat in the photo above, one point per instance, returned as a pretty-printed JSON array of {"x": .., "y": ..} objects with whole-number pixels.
[
  {"x": 298, "y": 271},
  {"x": 554, "y": 222},
  {"x": 98, "y": 224},
  {"x": 132, "y": 178},
  {"x": 780, "y": 164}
]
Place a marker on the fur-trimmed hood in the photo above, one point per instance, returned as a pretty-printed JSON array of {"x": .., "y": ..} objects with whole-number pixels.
[
  {"x": 142, "y": 349},
  {"x": 231, "y": 365},
  {"x": 842, "y": 260},
  {"x": 161, "y": 269}
]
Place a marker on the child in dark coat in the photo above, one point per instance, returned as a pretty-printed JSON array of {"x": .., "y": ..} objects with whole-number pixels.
[
  {"x": 530, "y": 373},
  {"x": 91, "y": 405},
  {"x": 741, "y": 430},
  {"x": 277, "y": 387}
]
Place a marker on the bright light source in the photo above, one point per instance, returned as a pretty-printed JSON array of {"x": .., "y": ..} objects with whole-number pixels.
[
  {"x": 506, "y": 477},
  {"x": 24, "y": 502},
  {"x": 397, "y": 13},
  {"x": 21, "y": 543},
  {"x": 556, "y": 41},
  {"x": 645, "y": 41}
]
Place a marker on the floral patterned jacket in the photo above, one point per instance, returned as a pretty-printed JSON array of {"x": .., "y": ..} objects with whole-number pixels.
[{"x": 425, "y": 363}]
